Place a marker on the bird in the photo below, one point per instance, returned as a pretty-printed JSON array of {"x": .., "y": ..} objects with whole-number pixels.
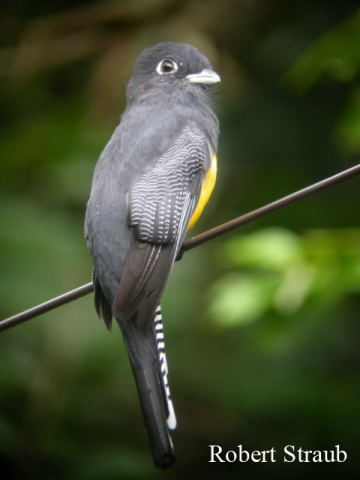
[{"x": 150, "y": 185}]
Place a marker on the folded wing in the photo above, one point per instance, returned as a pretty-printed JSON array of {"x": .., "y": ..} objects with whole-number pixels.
[{"x": 160, "y": 205}]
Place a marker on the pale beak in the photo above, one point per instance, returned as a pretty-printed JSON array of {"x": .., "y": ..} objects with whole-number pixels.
[{"x": 206, "y": 77}]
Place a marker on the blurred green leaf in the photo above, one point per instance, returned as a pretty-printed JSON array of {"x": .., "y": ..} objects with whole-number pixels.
[
  {"x": 273, "y": 248},
  {"x": 336, "y": 53},
  {"x": 285, "y": 271},
  {"x": 347, "y": 132},
  {"x": 240, "y": 299}
]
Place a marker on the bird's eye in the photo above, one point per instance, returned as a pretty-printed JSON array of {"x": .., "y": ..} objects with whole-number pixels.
[{"x": 167, "y": 66}]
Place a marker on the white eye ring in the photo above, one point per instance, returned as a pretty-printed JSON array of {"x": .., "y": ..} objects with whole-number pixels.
[{"x": 166, "y": 66}]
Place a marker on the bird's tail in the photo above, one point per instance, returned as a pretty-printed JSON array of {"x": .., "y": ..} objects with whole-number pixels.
[{"x": 146, "y": 348}]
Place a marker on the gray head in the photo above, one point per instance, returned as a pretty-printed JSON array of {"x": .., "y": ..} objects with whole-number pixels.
[{"x": 169, "y": 66}]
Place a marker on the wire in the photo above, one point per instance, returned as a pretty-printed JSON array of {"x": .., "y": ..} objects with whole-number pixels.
[
  {"x": 191, "y": 243},
  {"x": 46, "y": 306},
  {"x": 270, "y": 207}
]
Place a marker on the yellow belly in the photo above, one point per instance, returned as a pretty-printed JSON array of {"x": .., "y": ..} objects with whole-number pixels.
[{"x": 207, "y": 188}]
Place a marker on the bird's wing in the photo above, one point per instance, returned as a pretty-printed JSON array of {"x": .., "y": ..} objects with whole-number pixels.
[{"x": 160, "y": 205}]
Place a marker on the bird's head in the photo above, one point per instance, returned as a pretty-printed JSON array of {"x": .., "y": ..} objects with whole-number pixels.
[{"x": 168, "y": 67}]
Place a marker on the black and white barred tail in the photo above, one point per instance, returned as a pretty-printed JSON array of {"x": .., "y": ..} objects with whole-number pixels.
[{"x": 160, "y": 343}]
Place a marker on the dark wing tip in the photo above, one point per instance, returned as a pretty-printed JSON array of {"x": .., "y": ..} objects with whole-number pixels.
[{"x": 143, "y": 281}]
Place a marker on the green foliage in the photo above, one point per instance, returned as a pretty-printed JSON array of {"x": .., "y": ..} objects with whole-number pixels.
[
  {"x": 279, "y": 271},
  {"x": 336, "y": 53},
  {"x": 262, "y": 326},
  {"x": 348, "y": 130}
]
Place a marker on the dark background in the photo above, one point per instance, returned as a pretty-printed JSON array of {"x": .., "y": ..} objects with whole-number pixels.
[{"x": 262, "y": 324}]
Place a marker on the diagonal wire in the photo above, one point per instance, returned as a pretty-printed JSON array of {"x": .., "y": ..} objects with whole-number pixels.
[
  {"x": 191, "y": 243},
  {"x": 270, "y": 207},
  {"x": 46, "y": 306}
]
